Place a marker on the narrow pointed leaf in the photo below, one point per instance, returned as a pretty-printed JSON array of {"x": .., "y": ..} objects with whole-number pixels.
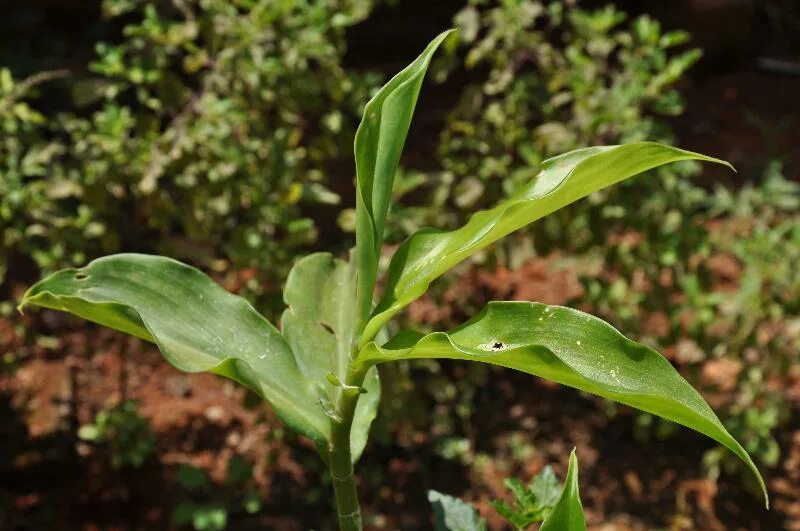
[
  {"x": 378, "y": 144},
  {"x": 319, "y": 325},
  {"x": 572, "y": 348},
  {"x": 427, "y": 254},
  {"x": 197, "y": 325},
  {"x": 567, "y": 514}
]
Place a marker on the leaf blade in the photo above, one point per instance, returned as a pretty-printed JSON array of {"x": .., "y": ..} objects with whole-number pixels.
[
  {"x": 567, "y": 514},
  {"x": 428, "y": 253},
  {"x": 571, "y": 348},
  {"x": 378, "y": 143},
  {"x": 453, "y": 514},
  {"x": 319, "y": 317},
  {"x": 197, "y": 325},
  {"x": 319, "y": 325}
]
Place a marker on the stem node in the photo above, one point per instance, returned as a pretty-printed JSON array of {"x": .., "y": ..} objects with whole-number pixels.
[{"x": 339, "y": 457}]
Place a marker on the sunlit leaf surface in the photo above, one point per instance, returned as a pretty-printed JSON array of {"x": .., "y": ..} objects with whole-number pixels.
[
  {"x": 572, "y": 348},
  {"x": 428, "y": 253}
]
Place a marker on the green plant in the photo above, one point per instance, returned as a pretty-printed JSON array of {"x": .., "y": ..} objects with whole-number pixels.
[
  {"x": 544, "y": 500},
  {"x": 452, "y": 514},
  {"x": 532, "y": 503},
  {"x": 125, "y": 431},
  {"x": 27, "y": 200},
  {"x": 543, "y": 78},
  {"x": 319, "y": 372},
  {"x": 207, "y": 507}
]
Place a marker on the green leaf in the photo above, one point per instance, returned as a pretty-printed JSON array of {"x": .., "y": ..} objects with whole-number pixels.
[
  {"x": 209, "y": 517},
  {"x": 191, "y": 477},
  {"x": 452, "y": 514},
  {"x": 567, "y": 514},
  {"x": 545, "y": 487},
  {"x": 252, "y": 502},
  {"x": 572, "y": 348},
  {"x": 239, "y": 471},
  {"x": 378, "y": 144},
  {"x": 89, "y": 432},
  {"x": 532, "y": 503},
  {"x": 366, "y": 411},
  {"x": 319, "y": 325},
  {"x": 197, "y": 325},
  {"x": 428, "y": 253},
  {"x": 319, "y": 318}
]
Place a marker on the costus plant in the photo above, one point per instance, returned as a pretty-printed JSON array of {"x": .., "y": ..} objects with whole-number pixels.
[{"x": 319, "y": 370}]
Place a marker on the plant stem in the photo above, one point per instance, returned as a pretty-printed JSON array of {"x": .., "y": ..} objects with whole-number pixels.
[{"x": 339, "y": 457}]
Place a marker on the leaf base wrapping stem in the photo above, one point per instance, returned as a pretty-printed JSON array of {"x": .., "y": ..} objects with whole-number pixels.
[{"x": 340, "y": 459}]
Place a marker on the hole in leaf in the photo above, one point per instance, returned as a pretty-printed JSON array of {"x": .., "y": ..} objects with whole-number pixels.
[
  {"x": 81, "y": 276},
  {"x": 493, "y": 346},
  {"x": 327, "y": 328}
]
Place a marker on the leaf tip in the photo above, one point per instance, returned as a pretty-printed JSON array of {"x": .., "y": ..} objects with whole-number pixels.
[
  {"x": 720, "y": 161},
  {"x": 764, "y": 491},
  {"x": 729, "y": 165},
  {"x": 25, "y": 301},
  {"x": 758, "y": 477},
  {"x": 572, "y": 468},
  {"x": 573, "y": 457}
]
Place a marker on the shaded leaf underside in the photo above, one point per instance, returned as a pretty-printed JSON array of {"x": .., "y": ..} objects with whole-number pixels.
[
  {"x": 319, "y": 326},
  {"x": 197, "y": 325}
]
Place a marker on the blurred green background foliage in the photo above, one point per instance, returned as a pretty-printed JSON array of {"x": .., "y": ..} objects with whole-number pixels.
[{"x": 205, "y": 131}]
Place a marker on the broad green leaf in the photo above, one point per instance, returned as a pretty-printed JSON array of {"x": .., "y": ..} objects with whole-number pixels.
[
  {"x": 319, "y": 325},
  {"x": 567, "y": 514},
  {"x": 427, "y": 254},
  {"x": 197, "y": 325},
  {"x": 572, "y": 348},
  {"x": 319, "y": 318},
  {"x": 452, "y": 514},
  {"x": 378, "y": 144}
]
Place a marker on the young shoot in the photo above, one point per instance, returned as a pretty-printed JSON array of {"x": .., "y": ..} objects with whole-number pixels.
[{"x": 318, "y": 369}]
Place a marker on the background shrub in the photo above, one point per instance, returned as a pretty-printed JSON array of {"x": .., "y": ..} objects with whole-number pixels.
[{"x": 206, "y": 131}]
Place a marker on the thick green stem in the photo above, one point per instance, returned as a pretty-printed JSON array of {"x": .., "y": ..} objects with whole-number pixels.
[{"x": 339, "y": 458}]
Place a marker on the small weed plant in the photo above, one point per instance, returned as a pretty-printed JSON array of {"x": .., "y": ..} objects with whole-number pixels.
[
  {"x": 130, "y": 440},
  {"x": 319, "y": 370},
  {"x": 532, "y": 504},
  {"x": 206, "y": 508}
]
